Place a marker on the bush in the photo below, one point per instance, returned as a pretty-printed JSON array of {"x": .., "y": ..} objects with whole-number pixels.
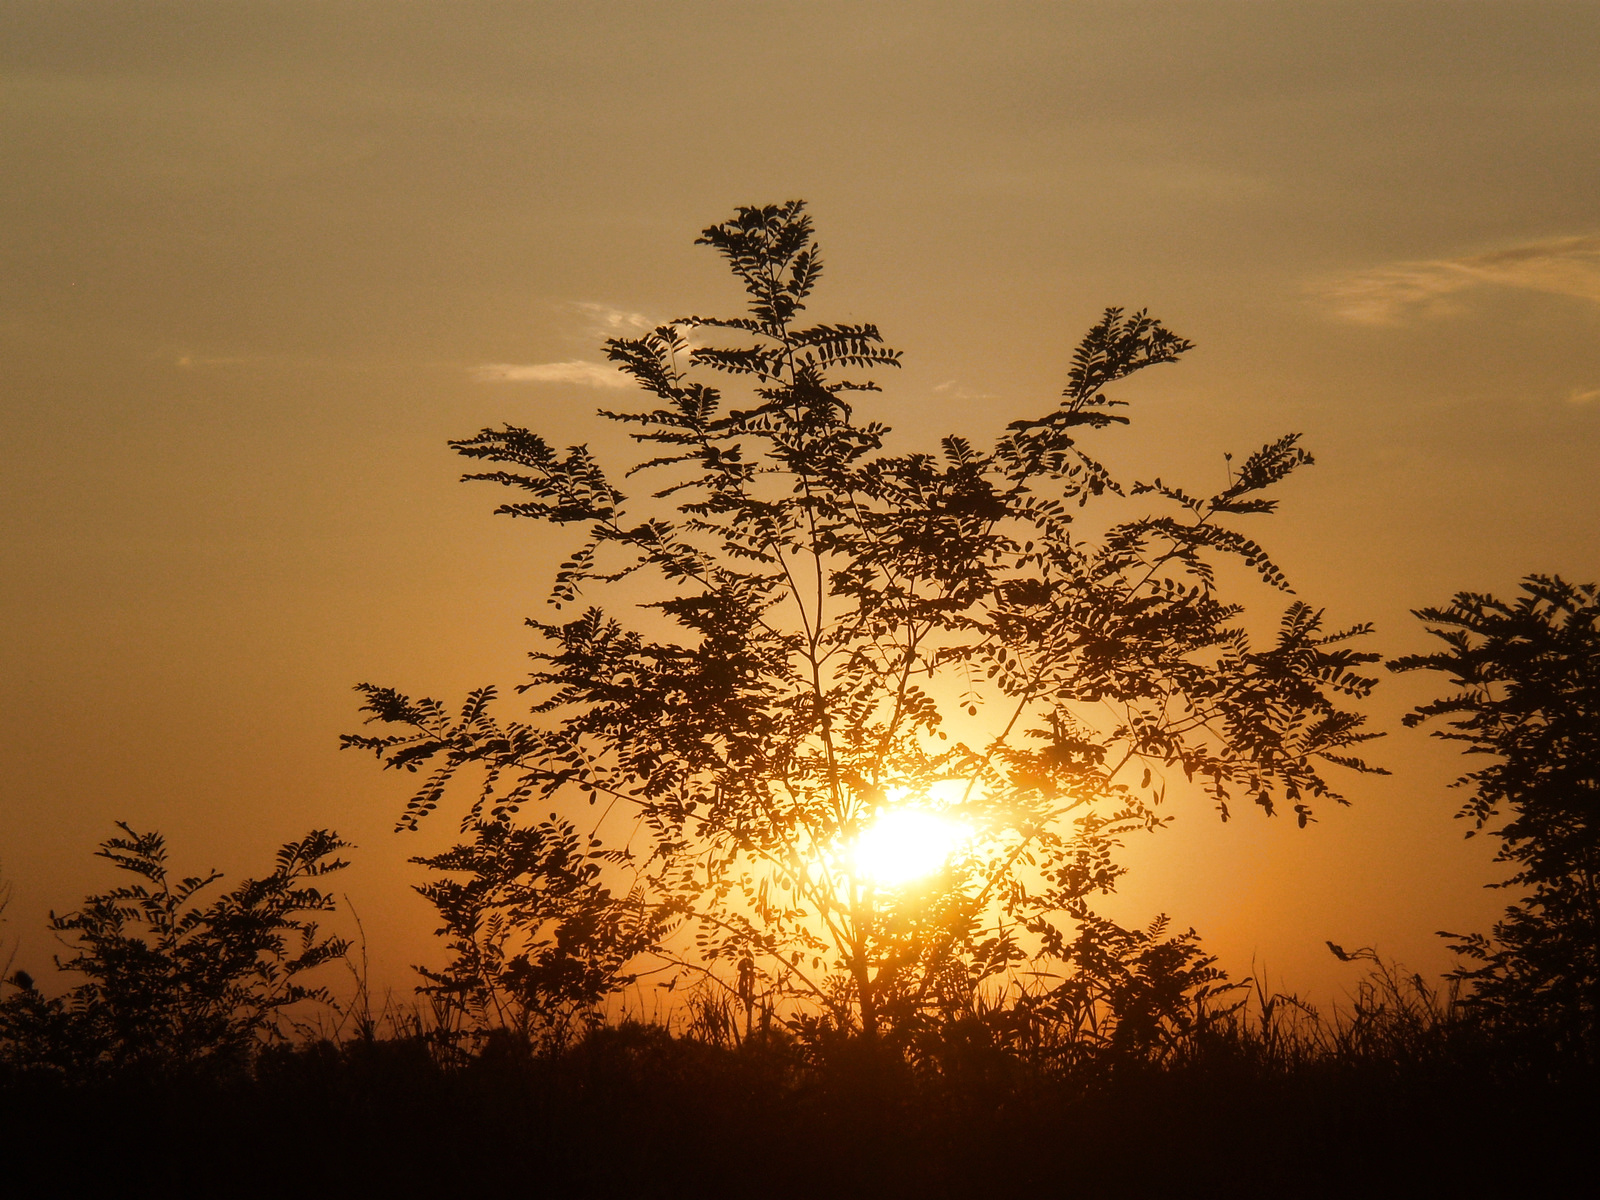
[{"x": 170, "y": 983}]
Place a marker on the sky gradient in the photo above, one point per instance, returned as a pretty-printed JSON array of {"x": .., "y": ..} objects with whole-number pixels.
[{"x": 260, "y": 261}]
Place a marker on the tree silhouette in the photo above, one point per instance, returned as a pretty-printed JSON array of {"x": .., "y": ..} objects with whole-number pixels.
[
  {"x": 170, "y": 982},
  {"x": 831, "y": 633},
  {"x": 1527, "y": 674},
  {"x": 536, "y": 939}
]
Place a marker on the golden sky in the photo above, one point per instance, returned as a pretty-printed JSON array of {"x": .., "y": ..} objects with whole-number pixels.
[{"x": 260, "y": 260}]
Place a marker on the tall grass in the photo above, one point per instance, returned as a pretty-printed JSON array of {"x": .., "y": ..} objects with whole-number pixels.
[{"x": 1399, "y": 1089}]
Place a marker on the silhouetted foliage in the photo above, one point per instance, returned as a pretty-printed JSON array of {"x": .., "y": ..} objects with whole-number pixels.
[
  {"x": 824, "y": 621},
  {"x": 170, "y": 981},
  {"x": 537, "y": 942},
  {"x": 1273, "y": 1100},
  {"x": 1527, "y": 674}
]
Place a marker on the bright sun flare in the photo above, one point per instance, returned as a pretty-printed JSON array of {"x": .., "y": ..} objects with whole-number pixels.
[{"x": 904, "y": 844}]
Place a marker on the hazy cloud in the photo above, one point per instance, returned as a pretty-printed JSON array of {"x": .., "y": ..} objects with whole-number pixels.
[
  {"x": 583, "y": 374},
  {"x": 1391, "y": 294},
  {"x": 1580, "y": 396},
  {"x": 608, "y": 321},
  {"x": 954, "y": 391},
  {"x": 603, "y": 321},
  {"x": 193, "y": 360}
]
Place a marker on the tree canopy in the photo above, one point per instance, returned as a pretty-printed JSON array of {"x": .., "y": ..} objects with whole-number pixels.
[
  {"x": 1526, "y": 674},
  {"x": 831, "y": 632}
]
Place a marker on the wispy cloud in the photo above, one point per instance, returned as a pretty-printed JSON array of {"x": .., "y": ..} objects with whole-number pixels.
[
  {"x": 187, "y": 361},
  {"x": 576, "y": 371},
  {"x": 608, "y": 321},
  {"x": 1582, "y": 396},
  {"x": 954, "y": 391},
  {"x": 601, "y": 321},
  {"x": 1392, "y": 294}
]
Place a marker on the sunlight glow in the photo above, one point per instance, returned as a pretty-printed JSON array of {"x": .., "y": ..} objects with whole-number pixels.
[{"x": 905, "y": 844}]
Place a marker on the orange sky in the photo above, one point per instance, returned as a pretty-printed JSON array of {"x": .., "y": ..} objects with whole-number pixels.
[{"x": 262, "y": 259}]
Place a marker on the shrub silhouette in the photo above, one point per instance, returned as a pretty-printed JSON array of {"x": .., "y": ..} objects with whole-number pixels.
[
  {"x": 824, "y": 620},
  {"x": 1527, "y": 674},
  {"x": 534, "y": 936},
  {"x": 170, "y": 981}
]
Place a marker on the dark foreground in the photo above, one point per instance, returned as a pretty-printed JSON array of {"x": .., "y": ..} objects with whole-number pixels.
[{"x": 633, "y": 1112}]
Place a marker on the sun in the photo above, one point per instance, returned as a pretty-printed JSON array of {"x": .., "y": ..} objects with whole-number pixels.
[{"x": 906, "y": 844}]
